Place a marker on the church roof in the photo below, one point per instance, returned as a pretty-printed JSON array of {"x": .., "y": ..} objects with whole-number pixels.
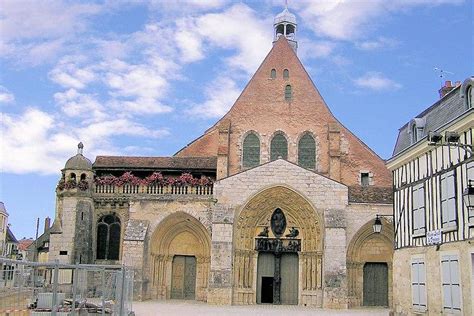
[
  {"x": 173, "y": 163},
  {"x": 370, "y": 194}
]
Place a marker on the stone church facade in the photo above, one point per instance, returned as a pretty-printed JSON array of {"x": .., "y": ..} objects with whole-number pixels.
[{"x": 272, "y": 204}]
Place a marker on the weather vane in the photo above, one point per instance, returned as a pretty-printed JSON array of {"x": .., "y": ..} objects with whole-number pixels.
[{"x": 442, "y": 73}]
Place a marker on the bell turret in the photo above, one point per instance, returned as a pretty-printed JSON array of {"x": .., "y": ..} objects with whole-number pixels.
[{"x": 284, "y": 24}]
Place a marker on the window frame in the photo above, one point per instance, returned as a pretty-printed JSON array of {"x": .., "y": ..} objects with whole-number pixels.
[
  {"x": 101, "y": 222},
  {"x": 311, "y": 151},
  {"x": 252, "y": 133},
  {"x": 288, "y": 93},
  {"x": 285, "y": 157},
  {"x": 273, "y": 73}
]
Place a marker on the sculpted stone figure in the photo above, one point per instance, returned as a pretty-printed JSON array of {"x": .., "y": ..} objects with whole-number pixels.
[
  {"x": 293, "y": 233},
  {"x": 264, "y": 232}
]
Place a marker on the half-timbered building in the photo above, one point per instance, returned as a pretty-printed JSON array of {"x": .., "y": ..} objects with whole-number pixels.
[{"x": 432, "y": 165}]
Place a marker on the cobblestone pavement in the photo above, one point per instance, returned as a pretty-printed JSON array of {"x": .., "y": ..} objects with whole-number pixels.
[{"x": 182, "y": 308}]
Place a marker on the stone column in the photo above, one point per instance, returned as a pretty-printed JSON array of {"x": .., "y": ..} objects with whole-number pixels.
[
  {"x": 335, "y": 271},
  {"x": 220, "y": 282}
]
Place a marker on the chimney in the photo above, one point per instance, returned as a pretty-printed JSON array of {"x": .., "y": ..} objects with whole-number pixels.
[
  {"x": 47, "y": 223},
  {"x": 448, "y": 86}
]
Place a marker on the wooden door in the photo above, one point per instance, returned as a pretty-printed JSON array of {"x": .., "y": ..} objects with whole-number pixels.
[
  {"x": 265, "y": 275},
  {"x": 183, "y": 279},
  {"x": 289, "y": 279},
  {"x": 375, "y": 284}
]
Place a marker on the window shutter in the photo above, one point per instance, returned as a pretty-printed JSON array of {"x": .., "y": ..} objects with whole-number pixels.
[{"x": 451, "y": 283}]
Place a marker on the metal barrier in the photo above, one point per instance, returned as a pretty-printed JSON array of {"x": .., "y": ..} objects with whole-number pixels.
[{"x": 32, "y": 288}]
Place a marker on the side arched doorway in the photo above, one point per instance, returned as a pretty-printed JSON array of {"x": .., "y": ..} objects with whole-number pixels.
[
  {"x": 180, "y": 258},
  {"x": 278, "y": 250},
  {"x": 369, "y": 266}
]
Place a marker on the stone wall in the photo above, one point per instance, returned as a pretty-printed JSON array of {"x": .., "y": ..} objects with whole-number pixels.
[{"x": 402, "y": 292}]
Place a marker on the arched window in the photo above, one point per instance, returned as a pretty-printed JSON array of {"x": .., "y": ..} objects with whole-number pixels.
[
  {"x": 288, "y": 93},
  {"x": 278, "y": 147},
  {"x": 72, "y": 176},
  {"x": 286, "y": 74},
  {"x": 273, "y": 74},
  {"x": 83, "y": 176},
  {"x": 251, "y": 151},
  {"x": 307, "y": 152},
  {"x": 414, "y": 133},
  {"x": 470, "y": 96},
  {"x": 108, "y": 237}
]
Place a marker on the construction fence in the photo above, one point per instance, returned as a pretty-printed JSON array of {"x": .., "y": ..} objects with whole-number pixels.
[{"x": 31, "y": 288}]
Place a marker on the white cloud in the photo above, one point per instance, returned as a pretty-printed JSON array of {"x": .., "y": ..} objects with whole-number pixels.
[
  {"x": 68, "y": 74},
  {"x": 376, "y": 81},
  {"x": 309, "y": 49},
  {"x": 5, "y": 95},
  {"x": 238, "y": 28},
  {"x": 221, "y": 95},
  {"x": 75, "y": 104},
  {"x": 351, "y": 20},
  {"x": 35, "y": 31},
  {"x": 42, "y": 142},
  {"x": 379, "y": 43}
]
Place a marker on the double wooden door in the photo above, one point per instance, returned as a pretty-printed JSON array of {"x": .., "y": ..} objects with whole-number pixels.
[
  {"x": 375, "y": 284},
  {"x": 271, "y": 269},
  {"x": 183, "y": 281}
]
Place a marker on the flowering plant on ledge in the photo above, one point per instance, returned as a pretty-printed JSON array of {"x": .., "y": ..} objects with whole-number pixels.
[
  {"x": 154, "y": 179},
  {"x": 72, "y": 184}
]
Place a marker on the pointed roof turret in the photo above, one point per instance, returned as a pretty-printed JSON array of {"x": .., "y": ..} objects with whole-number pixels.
[{"x": 284, "y": 24}]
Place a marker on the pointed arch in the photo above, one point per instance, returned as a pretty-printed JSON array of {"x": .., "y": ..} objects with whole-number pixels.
[
  {"x": 254, "y": 216},
  {"x": 279, "y": 146}
]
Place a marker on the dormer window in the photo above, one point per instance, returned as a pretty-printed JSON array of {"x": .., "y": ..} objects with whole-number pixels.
[
  {"x": 467, "y": 93},
  {"x": 416, "y": 129}
]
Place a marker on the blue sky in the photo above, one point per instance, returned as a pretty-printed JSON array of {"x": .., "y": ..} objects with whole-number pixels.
[{"x": 146, "y": 78}]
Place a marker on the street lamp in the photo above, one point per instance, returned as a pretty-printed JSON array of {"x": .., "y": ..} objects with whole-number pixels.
[
  {"x": 377, "y": 225},
  {"x": 468, "y": 195}
]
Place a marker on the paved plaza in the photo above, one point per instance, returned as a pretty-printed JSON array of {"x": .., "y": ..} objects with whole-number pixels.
[{"x": 182, "y": 308}]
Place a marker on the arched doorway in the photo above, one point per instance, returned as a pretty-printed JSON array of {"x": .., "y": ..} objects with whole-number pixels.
[
  {"x": 369, "y": 266},
  {"x": 180, "y": 258},
  {"x": 282, "y": 266}
]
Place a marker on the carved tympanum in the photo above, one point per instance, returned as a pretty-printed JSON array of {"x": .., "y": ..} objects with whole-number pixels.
[{"x": 278, "y": 222}]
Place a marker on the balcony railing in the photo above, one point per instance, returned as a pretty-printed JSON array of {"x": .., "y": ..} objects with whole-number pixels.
[{"x": 153, "y": 189}]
